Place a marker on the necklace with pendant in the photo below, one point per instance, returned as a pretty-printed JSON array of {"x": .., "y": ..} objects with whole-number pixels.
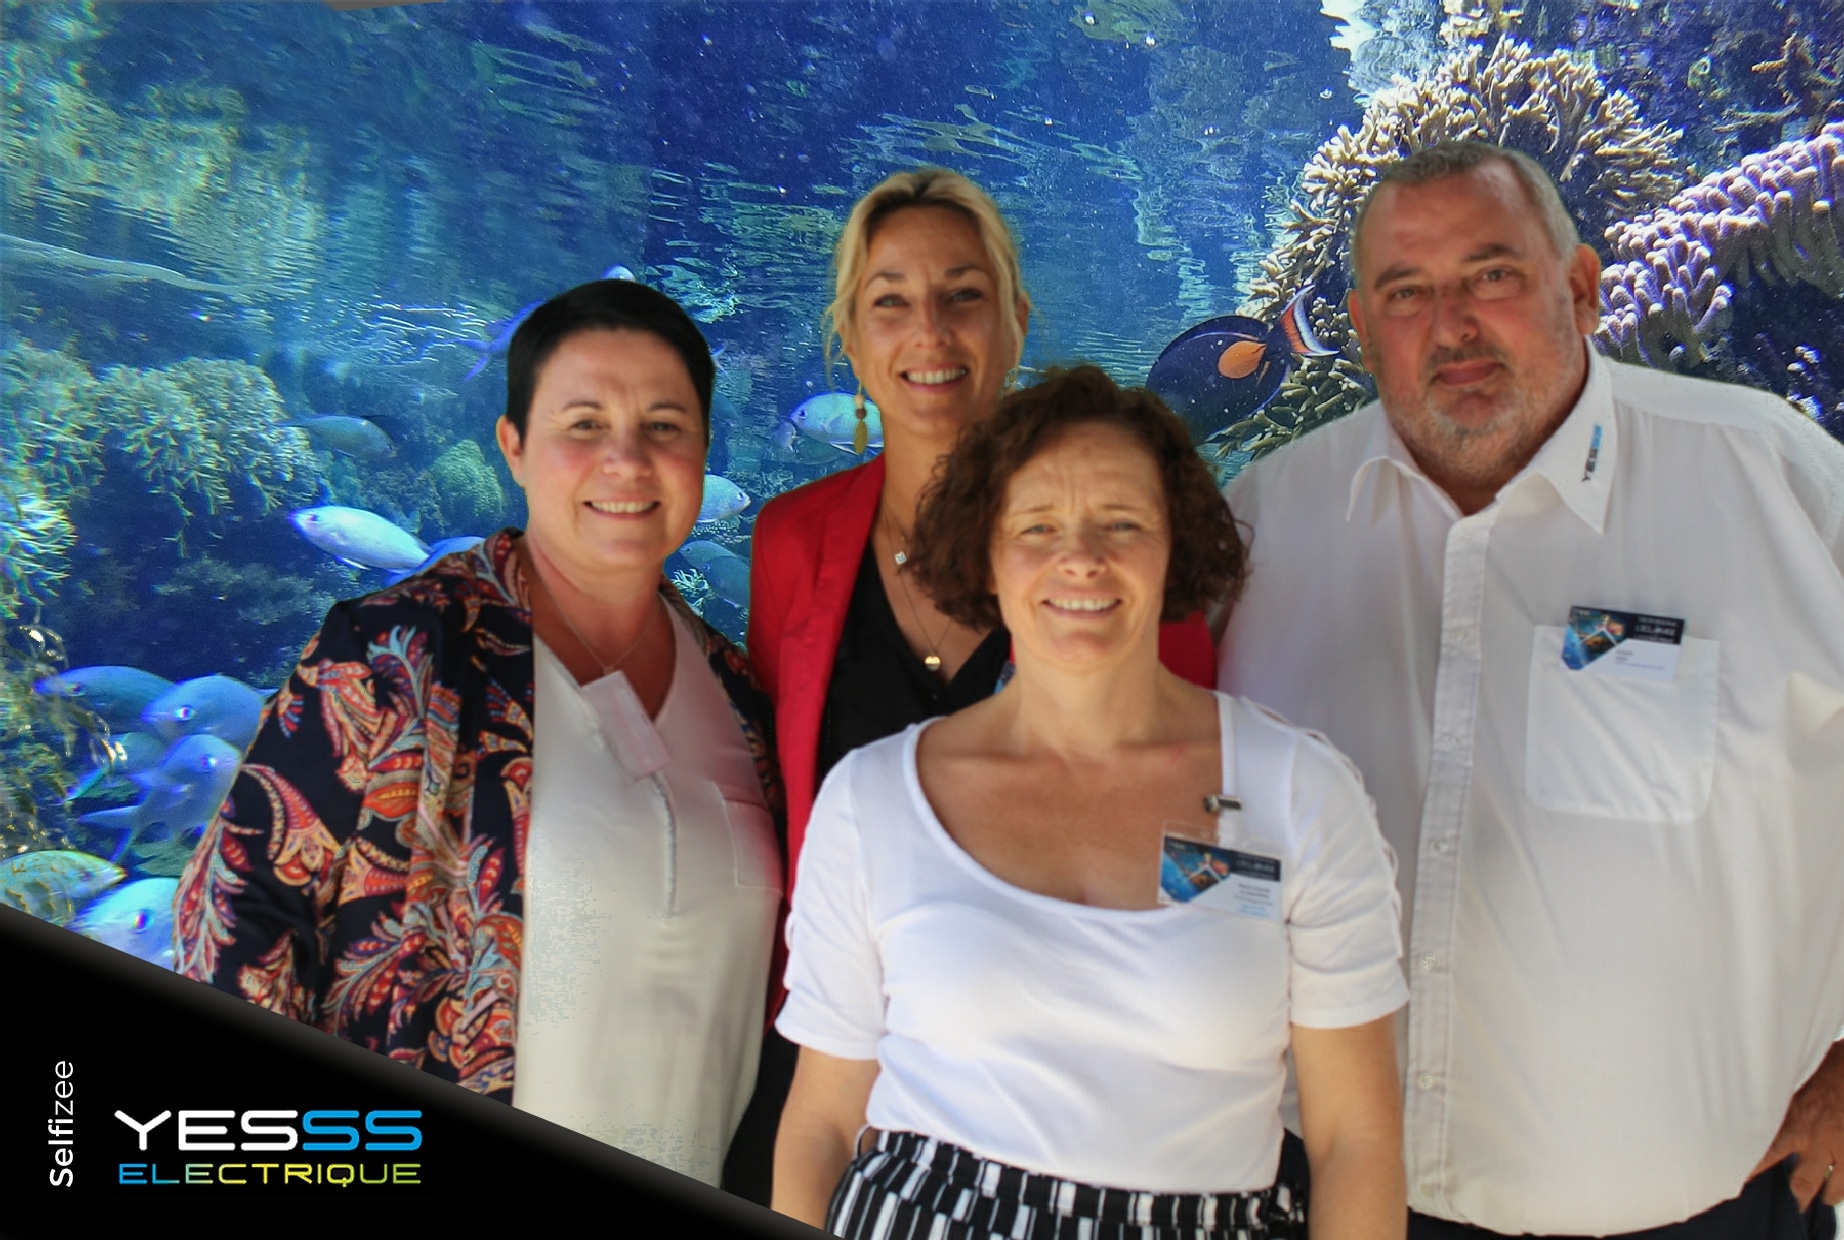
[{"x": 931, "y": 660}]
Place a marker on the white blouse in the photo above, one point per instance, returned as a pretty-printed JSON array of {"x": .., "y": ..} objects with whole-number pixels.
[
  {"x": 652, "y": 884},
  {"x": 1131, "y": 1048}
]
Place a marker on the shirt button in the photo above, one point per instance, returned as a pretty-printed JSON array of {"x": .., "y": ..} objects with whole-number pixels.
[
  {"x": 504, "y": 983},
  {"x": 1427, "y": 966},
  {"x": 1442, "y": 845},
  {"x": 1459, "y": 637},
  {"x": 1427, "y": 1190},
  {"x": 1450, "y": 740},
  {"x": 1425, "y": 1081}
]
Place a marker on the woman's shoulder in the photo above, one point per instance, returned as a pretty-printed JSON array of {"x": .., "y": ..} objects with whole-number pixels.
[
  {"x": 479, "y": 589},
  {"x": 814, "y": 503},
  {"x": 486, "y": 575},
  {"x": 879, "y": 772},
  {"x": 1266, "y": 742}
]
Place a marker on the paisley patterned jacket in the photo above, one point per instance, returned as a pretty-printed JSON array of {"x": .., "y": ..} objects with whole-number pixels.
[{"x": 365, "y": 875}]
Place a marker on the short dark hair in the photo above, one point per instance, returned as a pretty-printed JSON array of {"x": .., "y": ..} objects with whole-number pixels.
[
  {"x": 614, "y": 305},
  {"x": 953, "y": 536}
]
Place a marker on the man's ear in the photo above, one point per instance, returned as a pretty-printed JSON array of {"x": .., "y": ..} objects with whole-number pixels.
[
  {"x": 1585, "y": 289},
  {"x": 1357, "y": 319}
]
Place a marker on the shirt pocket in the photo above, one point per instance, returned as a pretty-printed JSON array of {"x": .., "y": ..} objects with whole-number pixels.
[
  {"x": 753, "y": 846},
  {"x": 1617, "y": 747}
]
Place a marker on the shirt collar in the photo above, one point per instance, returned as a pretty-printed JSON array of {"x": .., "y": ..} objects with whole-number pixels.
[{"x": 1578, "y": 458}]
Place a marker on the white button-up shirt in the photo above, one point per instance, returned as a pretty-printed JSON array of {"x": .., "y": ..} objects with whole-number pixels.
[{"x": 1623, "y": 898}]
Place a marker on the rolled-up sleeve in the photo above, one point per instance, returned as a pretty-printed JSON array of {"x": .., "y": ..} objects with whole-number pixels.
[
  {"x": 835, "y": 975},
  {"x": 1344, "y": 922}
]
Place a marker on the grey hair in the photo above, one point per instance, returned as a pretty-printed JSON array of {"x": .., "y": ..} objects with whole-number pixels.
[{"x": 1451, "y": 158}]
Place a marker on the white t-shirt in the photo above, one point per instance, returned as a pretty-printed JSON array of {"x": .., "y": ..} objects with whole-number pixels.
[
  {"x": 1626, "y": 891},
  {"x": 1131, "y": 1048},
  {"x": 652, "y": 884}
]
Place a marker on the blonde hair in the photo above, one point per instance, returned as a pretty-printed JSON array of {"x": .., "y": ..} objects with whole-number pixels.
[{"x": 923, "y": 187}]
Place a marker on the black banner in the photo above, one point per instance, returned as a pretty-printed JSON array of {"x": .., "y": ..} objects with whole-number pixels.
[{"x": 137, "y": 1096}]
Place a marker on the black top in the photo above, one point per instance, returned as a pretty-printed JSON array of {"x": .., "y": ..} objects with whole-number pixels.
[{"x": 879, "y": 686}]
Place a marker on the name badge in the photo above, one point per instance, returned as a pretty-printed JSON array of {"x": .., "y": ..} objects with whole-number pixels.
[
  {"x": 1600, "y": 642},
  {"x": 1250, "y": 883}
]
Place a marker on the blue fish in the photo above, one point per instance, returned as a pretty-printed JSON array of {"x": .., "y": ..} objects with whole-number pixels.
[
  {"x": 359, "y": 538},
  {"x": 129, "y": 756},
  {"x": 208, "y": 706},
  {"x": 447, "y": 546},
  {"x": 832, "y": 418},
  {"x": 726, "y": 571},
  {"x": 355, "y": 437},
  {"x": 1223, "y": 370},
  {"x": 136, "y": 918},
  {"x": 189, "y": 785},
  {"x": 722, "y": 498},
  {"x": 501, "y": 341},
  {"x": 117, "y": 694}
]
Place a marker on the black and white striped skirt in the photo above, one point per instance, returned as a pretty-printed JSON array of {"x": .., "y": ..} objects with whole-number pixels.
[{"x": 911, "y": 1187}]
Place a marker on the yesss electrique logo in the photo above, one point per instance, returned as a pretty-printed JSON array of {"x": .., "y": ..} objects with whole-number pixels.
[{"x": 291, "y": 1148}]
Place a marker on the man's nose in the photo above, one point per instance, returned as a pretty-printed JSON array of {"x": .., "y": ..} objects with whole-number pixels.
[{"x": 1454, "y": 318}]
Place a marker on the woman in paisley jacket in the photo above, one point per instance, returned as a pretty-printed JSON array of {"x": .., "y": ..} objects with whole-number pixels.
[{"x": 400, "y": 864}]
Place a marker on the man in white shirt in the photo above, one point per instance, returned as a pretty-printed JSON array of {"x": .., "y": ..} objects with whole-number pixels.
[{"x": 1581, "y": 626}]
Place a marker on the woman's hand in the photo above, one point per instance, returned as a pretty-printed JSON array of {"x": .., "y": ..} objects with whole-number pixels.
[
  {"x": 1351, "y": 1113},
  {"x": 819, "y": 1131}
]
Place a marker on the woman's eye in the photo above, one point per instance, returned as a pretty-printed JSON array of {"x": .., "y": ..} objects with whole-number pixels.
[
  {"x": 890, "y": 301},
  {"x": 966, "y": 294}
]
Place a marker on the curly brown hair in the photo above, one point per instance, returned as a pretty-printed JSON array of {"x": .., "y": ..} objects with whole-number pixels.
[{"x": 961, "y": 506}]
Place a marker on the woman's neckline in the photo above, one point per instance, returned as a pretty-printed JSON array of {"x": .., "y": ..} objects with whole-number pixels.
[
  {"x": 933, "y": 826},
  {"x": 680, "y": 636}
]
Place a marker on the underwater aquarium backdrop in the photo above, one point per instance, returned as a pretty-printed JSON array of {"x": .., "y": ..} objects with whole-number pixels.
[{"x": 259, "y": 264}]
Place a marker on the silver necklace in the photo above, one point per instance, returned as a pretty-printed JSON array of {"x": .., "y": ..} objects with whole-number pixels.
[{"x": 607, "y": 668}]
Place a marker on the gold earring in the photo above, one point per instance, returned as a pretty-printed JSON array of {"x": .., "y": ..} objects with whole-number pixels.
[{"x": 861, "y": 433}]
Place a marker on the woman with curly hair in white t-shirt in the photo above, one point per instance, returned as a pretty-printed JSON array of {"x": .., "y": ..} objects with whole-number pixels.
[{"x": 1048, "y": 954}]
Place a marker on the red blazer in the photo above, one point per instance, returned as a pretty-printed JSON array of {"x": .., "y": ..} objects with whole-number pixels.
[{"x": 803, "y": 563}]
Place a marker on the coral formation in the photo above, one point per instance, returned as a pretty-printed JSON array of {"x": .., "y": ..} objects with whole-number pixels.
[
  {"x": 1608, "y": 162},
  {"x": 466, "y": 489},
  {"x": 40, "y": 736},
  {"x": 1666, "y": 296},
  {"x": 196, "y": 425}
]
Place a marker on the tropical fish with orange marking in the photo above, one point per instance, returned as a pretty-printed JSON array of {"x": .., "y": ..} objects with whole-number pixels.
[{"x": 1224, "y": 369}]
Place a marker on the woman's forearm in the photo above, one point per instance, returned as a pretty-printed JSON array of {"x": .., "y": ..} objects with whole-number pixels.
[
  {"x": 1357, "y": 1193},
  {"x": 809, "y": 1160},
  {"x": 819, "y": 1129}
]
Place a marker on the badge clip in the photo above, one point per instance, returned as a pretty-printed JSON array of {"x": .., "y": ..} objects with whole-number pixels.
[{"x": 1217, "y": 802}]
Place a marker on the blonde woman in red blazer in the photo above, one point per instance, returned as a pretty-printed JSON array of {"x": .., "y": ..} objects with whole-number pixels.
[{"x": 931, "y": 310}]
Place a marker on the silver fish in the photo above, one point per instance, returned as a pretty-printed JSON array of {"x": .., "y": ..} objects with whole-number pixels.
[
  {"x": 726, "y": 571},
  {"x": 722, "y": 498},
  {"x": 217, "y": 706},
  {"x": 137, "y": 919},
  {"x": 359, "y": 538},
  {"x": 117, "y": 694},
  {"x": 356, "y": 437}
]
